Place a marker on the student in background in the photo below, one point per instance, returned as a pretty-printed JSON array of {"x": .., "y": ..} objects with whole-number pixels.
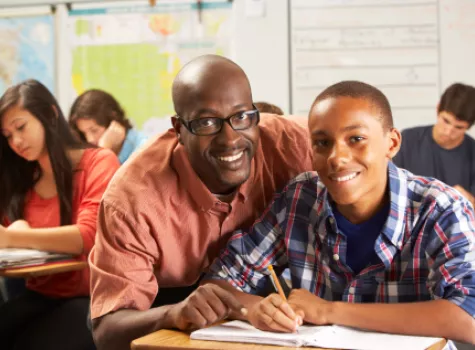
[
  {"x": 265, "y": 107},
  {"x": 170, "y": 209},
  {"x": 444, "y": 150},
  {"x": 368, "y": 245},
  {"x": 100, "y": 120},
  {"x": 50, "y": 185}
]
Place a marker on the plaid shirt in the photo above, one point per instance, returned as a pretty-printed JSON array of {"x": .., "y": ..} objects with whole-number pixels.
[{"x": 426, "y": 245}]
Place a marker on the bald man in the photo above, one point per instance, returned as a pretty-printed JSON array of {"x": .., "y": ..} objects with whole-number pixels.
[{"x": 171, "y": 208}]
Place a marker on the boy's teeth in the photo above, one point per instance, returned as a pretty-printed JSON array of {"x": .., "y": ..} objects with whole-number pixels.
[
  {"x": 345, "y": 178},
  {"x": 231, "y": 158}
]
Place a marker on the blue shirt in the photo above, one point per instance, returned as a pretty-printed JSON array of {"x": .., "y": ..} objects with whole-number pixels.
[
  {"x": 360, "y": 238},
  {"x": 133, "y": 140},
  {"x": 426, "y": 245}
]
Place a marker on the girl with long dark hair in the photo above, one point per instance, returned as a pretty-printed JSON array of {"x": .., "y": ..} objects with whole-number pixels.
[{"x": 50, "y": 188}]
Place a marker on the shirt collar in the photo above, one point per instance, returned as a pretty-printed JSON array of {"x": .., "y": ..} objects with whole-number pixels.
[
  {"x": 395, "y": 224},
  {"x": 189, "y": 180}
]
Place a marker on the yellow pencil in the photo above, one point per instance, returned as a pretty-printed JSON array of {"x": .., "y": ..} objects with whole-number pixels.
[
  {"x": 276, "y": 282},
  {"x": 279, "y": 288}
]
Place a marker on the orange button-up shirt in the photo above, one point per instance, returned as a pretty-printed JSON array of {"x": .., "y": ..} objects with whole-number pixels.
[{"x": 159, "y": 225}]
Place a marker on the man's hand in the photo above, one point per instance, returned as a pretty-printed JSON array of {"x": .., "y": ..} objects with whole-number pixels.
[
  {"x": 466, "y": 194},
  {"x": 316, "y": 309},
  {"x": 206, "y": 305},
  {"x": 275, "y": 314},
  {"x": 113, "y": 137}
]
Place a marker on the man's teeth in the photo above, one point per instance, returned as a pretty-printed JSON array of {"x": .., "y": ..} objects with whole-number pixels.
[
  {"x": 345, "y": 178},
  {"x": 231, "y": 158}
]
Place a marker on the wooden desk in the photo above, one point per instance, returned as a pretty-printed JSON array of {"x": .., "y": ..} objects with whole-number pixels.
[
  {"x": 176, "y": 340},
  {"x": 45, "y": 269}
]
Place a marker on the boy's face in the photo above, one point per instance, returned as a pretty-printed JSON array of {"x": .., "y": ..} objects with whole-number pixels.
[
  {"x": 351, "y": 149},
  {"x": 449, "y": 131}
]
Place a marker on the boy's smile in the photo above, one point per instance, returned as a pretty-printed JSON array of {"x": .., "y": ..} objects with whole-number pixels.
[{"x": 351, "y": 153}]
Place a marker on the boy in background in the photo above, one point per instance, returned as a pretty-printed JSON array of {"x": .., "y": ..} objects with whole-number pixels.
[{"x": 444, "y": 150}]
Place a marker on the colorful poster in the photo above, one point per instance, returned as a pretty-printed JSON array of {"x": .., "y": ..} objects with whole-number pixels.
[
  {"x": 135, "y": 52},
  {"x": 27, "y": 50}
]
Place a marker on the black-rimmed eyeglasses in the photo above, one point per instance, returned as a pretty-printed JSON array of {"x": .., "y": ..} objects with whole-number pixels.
[{"x": 212, "y": 125}]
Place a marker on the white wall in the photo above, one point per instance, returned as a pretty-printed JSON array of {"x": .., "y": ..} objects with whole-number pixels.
[{"x": 262, "y": 51}]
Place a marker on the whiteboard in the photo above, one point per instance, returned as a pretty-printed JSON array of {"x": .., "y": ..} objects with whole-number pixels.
[{"x": 394, "y": 45}]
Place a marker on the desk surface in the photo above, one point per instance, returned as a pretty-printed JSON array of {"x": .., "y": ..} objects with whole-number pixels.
[
  {"x": 176, "y": 340},
  {"x": 45, "y": 269}
]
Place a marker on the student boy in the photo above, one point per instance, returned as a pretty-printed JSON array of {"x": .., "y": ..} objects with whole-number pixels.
[
  {"x": 444, "y": 150},
  {"x": 368, "y": 245},
  {"x": 171, "y": 208}
]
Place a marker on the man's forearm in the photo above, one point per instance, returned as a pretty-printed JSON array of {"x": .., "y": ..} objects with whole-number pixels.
[
  {"x": 116, "y": 330},
  {"x": 438, "y": 318}
]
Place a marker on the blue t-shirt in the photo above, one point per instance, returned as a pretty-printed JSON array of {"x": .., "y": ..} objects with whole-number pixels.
[
  {"x": 360, "y": 239},
  {"x": 133, "y": 140}
]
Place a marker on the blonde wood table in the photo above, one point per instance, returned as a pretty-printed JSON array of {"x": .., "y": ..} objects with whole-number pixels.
[
  {"x": 176, "y": 340},
  {"x": 44, "y": 269}
]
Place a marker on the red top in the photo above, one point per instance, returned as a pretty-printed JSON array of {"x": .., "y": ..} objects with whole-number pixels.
[{"x": 94, "y": 171}]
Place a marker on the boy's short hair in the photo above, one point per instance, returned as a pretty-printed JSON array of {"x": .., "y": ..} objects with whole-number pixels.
[
  {"x": 358, "y": 89},
  {"x": 265, "y": 107},
  {"x": 459, "y": 100}
]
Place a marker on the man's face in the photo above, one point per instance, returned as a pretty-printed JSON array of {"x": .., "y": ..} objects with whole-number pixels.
[
  {"x": 351, "y": 149},
  {"x": 222, "y": 161},
  {"x": 449, "y": 131}
]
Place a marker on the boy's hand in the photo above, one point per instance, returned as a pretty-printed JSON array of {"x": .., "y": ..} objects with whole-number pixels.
[
  {"x": 206, "y": 305},
  {"x": 316, "y": 309},
  {"x": 113, "y": 137},
  {"x": 274, "y": 314}
]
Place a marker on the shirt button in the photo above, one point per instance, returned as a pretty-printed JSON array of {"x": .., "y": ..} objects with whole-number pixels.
[
  {"x": 351, "y": 290},
  {"x": 331, "y": 220},
  {"x": 399, "y": 244},
  {"x": 336, "y": 257}
]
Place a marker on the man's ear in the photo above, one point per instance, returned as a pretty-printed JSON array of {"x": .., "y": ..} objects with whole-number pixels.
[
  {"x": 177, "y": 126},
  {"x": 395, "y": 139}
]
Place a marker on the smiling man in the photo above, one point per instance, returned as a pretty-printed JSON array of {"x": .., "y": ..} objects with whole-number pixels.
[
  {"x": 368, "y": 245},
  {"x": 173, "y": 206},
  {"x": 444, "y": 150}
]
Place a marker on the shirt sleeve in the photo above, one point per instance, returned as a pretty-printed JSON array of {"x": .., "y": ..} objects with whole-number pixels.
[
  {"x": 99, "y": 172},
  {"x": 452, "y": 256},
  {"x": 122, "y": 263},
  {"x": 243, "y": 263}
]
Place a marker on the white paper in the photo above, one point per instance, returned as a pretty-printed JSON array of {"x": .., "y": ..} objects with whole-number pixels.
[
  {"x": 316, "y": 336},
  {"x": 11, "y": 257}
]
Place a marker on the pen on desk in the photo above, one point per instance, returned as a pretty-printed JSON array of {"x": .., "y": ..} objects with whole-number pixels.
[{"x": 277, "y": 284}]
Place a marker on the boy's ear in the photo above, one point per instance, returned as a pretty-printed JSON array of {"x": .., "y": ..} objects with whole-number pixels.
[{"x": 395, "y": 139}]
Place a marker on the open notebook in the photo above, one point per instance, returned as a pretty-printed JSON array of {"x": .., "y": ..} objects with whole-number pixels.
[
  {"x": 12, "y": 257},
  {"x": 334, "y": 337}
]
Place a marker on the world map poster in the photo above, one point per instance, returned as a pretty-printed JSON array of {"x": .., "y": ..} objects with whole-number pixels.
[
  {"x": 135, "y": 52},
  {"x": 27, "y": 50}
]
